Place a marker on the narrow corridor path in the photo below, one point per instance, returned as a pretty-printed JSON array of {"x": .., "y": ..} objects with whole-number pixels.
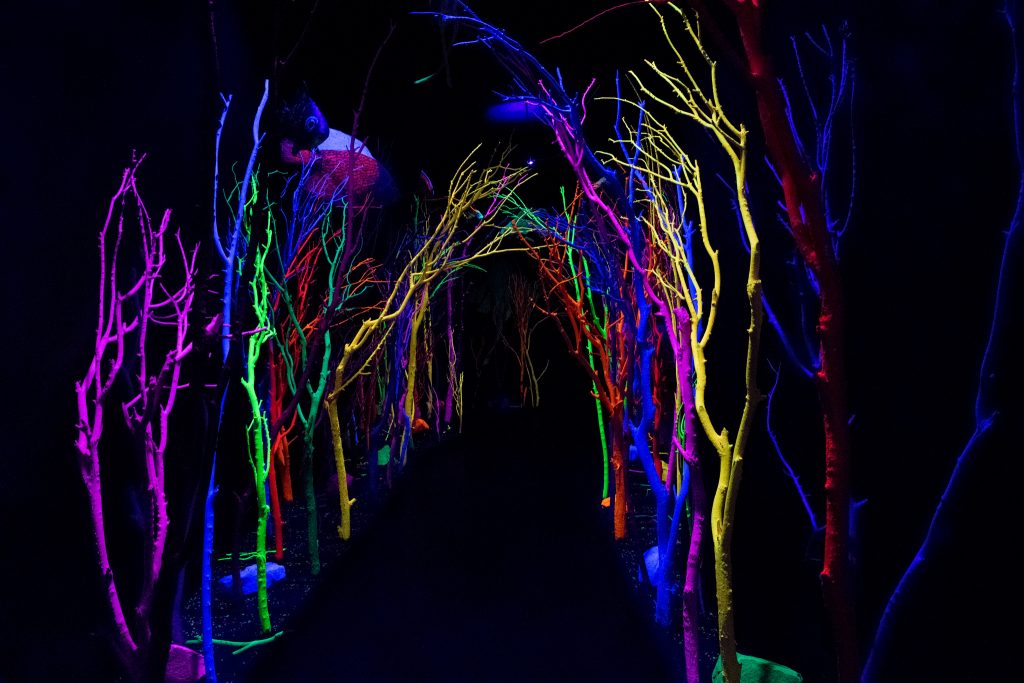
[{"x": 490, "y": 563}]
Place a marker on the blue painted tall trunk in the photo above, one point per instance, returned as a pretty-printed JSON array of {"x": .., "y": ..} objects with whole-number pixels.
[{"x": 207, "y": 587}]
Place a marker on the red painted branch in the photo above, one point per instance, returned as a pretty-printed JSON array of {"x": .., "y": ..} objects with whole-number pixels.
[{"x": 802, "y": 193}]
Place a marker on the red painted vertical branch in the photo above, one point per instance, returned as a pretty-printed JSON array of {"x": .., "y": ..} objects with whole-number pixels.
[
  {"x": 610, "y": 368},
  {"x": 276, "y": 398},
  {"x": 281, "y": 448},
  {"x": 617, "y": 426},
  {"x": 275, "y": 510},
  {"x": 664, "y": 473},
  {"x": 802, "y": 193}
]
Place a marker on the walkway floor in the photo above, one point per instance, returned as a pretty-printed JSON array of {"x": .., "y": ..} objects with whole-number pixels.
[{"x": 490, "y": 563}]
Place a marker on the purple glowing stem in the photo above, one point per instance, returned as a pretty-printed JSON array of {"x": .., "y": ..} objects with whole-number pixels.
[{"x": 782, "y": 458}]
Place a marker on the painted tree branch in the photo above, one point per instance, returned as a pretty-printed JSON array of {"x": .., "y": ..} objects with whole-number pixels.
[
  {"x": 317, "y": 263},
  {"x": 666, "y": 162},
  {"x": 478, "y": 194},
  {"x": 619, "y": 228},
  {"x": 568, "y": 296},
  {"x": 228, "y": 258},
  {"x": 124, "y": 334},
  {"x": 259, "y": 429},
  {"x": 806, "y": 211}
]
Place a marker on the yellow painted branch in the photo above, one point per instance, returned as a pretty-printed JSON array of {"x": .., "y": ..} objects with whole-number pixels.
[
  {"x": 345, "y": 528},
  {"x": 489, "y": 188},
  {"x": 663, "y": 161}
]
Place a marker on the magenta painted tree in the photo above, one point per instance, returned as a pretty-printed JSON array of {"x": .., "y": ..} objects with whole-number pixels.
[{"x": 142, "y": 333}]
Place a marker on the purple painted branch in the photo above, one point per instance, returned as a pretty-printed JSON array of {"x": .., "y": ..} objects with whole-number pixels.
[
  {"x": 90, "y": 410},
  {"x": 785, "y": 463},
  {"x": 152, "y": 388},
  {"x": 147, "y": 413},
  {"x": 691, "y": 610}
]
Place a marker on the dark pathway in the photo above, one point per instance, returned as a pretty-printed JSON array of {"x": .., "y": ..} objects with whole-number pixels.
[{"x": 490, "y": 564}]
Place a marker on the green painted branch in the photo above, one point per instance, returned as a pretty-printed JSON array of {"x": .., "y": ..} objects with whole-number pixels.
[{"x": 242, "y": 645}]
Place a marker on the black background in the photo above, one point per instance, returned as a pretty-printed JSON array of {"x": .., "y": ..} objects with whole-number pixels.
[{"x": 86, "y": 84}]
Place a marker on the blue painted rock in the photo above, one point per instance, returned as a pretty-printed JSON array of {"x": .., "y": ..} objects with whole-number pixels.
[
  {"x": 651, "y": 563},
  {"x": 275, "y": 573}
]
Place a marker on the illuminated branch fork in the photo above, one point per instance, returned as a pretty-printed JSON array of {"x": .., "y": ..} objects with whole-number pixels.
[
  {"x": 129, "y": 311},
  {"x": 406, "y": 352},
  {"x": 228, "y": 257},
  {"x": 304, "y": 324},
  {"x": 392, "y": 426},
  {"x": 825, "y": 117},
  {"x": 280, "y": 450},
  {"x": 235, "y": 243},
  {"x": 613, "y": 363},
  {"x": 308, "y": 209},
  {"x": 672, "y": 191},
  {"x": 618, "y": 369},
  {"x": 664, "y": 162},
  {"x": 259, "y": 429},
  {"x": 611, "y": 199},
  {"x": 616, "y": 234},
  {"x": 476, "y": 195},
  {"x": 570, "y": 290},
  {"x": 816, "y": 244},
  {"x": 618, "y": 228},
  {"x": 273, "y": 392},
  {"x": 409, "y": 351}
]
